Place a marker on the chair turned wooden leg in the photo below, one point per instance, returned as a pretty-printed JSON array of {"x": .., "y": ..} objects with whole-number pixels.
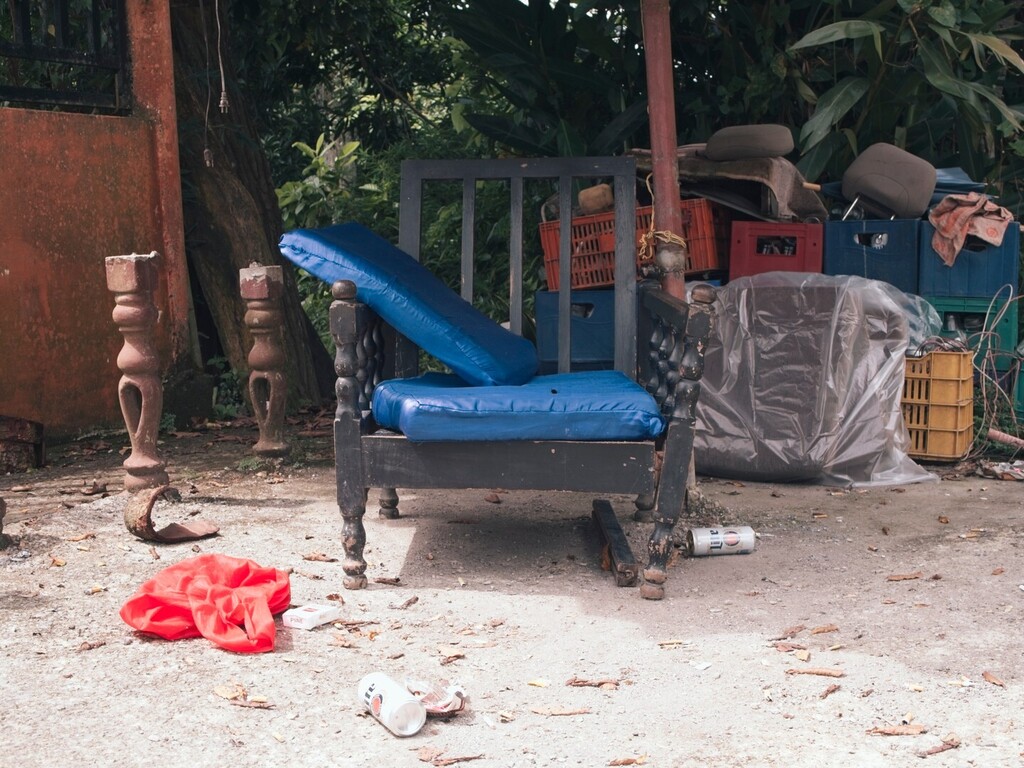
[
  {"x": 353, "y": 537},
  {"x": 644, "y": 504},
  {"x": 389, "y": 504}
]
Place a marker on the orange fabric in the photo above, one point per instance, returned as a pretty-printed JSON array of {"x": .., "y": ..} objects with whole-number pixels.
[
  {"x": 227, "y": 600},
  {"x": 957, "y": 216}
]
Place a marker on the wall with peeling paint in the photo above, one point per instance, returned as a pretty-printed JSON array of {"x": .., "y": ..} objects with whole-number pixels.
[{"x": 75, "y": 189}]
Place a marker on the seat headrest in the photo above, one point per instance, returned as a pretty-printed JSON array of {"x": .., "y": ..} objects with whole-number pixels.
[
  {"x": 740, "y": 142},
  {"x": 889, "y": 181}
]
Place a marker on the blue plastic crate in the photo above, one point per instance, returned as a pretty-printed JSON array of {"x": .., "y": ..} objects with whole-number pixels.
[
  {"x": 965, "y": 317},
  {"x": 592, "y": 329},
  {"x": 980, "y": 269},
  {"x": 874, "y": 248}
]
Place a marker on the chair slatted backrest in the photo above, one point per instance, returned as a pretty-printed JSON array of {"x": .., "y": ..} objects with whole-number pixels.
[{"x": 516, "y": 171}]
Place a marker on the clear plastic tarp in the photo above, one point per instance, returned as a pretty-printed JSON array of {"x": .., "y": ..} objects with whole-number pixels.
[{"x": 803, "y": 379}]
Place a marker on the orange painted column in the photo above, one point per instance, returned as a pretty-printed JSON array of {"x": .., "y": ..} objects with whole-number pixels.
[
  {"x": 662, "y": 114},
  {"x": 149, "y": 40}
]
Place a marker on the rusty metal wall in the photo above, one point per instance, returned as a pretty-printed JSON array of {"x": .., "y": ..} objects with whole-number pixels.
[{"x": 76, "y": 188}]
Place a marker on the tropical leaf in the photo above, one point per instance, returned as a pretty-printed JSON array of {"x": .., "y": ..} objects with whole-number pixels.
[
  {"x": 938, "y": 72},
  {"x": 625, "y": 124},
  {"x": 832, "y": 107},
  {"x": 999, "y": 48},
  {"x": 841, "y": 30}
]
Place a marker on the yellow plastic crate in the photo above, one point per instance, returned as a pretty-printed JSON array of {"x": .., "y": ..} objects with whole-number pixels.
[{"x": 938, "y": 405}]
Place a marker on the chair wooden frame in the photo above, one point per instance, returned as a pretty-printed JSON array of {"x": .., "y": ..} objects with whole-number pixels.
[{"x": 670, "y": 366}]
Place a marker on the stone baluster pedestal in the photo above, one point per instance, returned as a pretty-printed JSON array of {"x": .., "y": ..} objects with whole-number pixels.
[
  {"x": 262, "y": 288},
  {"x": 133, "y": 280}
]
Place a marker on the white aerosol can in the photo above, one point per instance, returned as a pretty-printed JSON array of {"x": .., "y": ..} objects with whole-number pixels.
[
  {"x": 735, "y": 540},
  {"x": 392, "y": 704}
]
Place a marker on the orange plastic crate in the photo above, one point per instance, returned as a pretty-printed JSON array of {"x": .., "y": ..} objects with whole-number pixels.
[
  {"x": 938, "y": 405},
  {"x": 592, "y": 265}
]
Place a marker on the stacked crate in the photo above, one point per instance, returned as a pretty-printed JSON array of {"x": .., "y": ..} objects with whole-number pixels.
[
  {"x": 878, "y": 249},
  {"x": 938, "y": 405},
  {"x": 973, "y": 292},
  {"x": 762, "y": 246}
]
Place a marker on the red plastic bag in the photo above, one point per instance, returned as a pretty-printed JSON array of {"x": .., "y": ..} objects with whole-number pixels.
[{"x": 227, "y": 600}]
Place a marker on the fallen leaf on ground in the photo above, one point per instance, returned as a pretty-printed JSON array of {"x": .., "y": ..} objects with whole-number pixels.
[
  {"x": 950, "y": 742},
  {"x": 320, "y": 557},
  {"x": 829, "y": 691},
  {"x": 560, "y": 712},
  {"x": 988, "y": 677},
  {"x": 789, "y": 632},
  {"x": 411, "y": 601},
  {"x": 492, "y": 498},
  {"x": 904, "y": 576},
  {"x": 449, "y": 654},
  {"x": 442, "y": 761},
  {"x": 341, "y": 641},
  {"x": 426, "y": 754},
  {"x": 252, "y": 703},
  {"x": 57, "y": 562},
  {"x": 278, "y": 737},
  {"x": 83, "y": 536},
  {"x": 824, "y": 628},
  {"x": 787, "y": 647},
  {"x": 577, "y": 682},
  {"x": 943, "y": 519},
  {"x": 803, "y": 654},
  {"x": 539, "y": 683},
  {"x": 93, "y": 488},
  {"x": 907, "y": 729},
  {"x": 496, "y": 622},
  {"x": 231, "y": 692},
  {"x": 638, "y": 760},
  {"x": 820, "y": 671},
  {"x": 392, "y": 580},
  {"x": 506, "y": 717}
]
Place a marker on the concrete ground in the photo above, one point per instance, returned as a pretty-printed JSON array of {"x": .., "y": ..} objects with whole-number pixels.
[{"x": 859, "y": 615}]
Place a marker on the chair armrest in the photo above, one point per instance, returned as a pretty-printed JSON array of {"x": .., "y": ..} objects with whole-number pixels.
[
  {"x": 674, "y": 360},
  {"x": 362, "y": 344}
]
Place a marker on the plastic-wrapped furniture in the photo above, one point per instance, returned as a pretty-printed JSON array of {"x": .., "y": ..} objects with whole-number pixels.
[
  {"x": 805, "y": 377},
  {"x": 493, "y": 422}
]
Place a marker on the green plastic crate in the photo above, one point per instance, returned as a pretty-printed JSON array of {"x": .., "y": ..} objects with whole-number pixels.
[{"x": 967, "y": 316}]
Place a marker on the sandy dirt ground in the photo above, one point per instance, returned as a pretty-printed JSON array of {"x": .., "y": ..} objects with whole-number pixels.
[{"x": 911, "y": 597}]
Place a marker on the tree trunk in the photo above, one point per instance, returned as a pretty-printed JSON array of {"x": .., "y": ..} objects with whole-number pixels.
[{"x": 230, "y": 207}]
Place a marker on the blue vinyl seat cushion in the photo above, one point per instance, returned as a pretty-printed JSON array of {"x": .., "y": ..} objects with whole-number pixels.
[
  {"x": 590, "y": 405},
  {"x": 414, "y": 302}
]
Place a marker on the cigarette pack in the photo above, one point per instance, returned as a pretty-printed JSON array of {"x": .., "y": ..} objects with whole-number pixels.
[{"x": 311, "y": 616}]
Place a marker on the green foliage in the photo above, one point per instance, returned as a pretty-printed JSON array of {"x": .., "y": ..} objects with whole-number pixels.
[
  {"x": 228, "y": 401},
  {"x": 930, "y": 77},
  {"x": 368, "y": 70},
  {"x": 546, "y": 79}
]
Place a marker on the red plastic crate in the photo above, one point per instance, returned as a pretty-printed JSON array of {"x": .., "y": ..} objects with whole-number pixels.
[
  {"x": 760, "y": 246},
  {"x": 705, "y": 229}
]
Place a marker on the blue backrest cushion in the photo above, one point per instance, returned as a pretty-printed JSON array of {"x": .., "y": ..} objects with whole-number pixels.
[{"x": 415, "y": 302}]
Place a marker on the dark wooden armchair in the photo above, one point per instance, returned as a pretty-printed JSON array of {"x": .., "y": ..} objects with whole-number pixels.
[{"x": 668, "y": 364}]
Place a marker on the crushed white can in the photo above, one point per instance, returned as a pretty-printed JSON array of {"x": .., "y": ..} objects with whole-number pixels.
[
  {"x": 734, "y": 540},
  {"x": 392, "y": 704}
]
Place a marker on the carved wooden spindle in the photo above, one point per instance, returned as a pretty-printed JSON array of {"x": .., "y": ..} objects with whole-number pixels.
[
  {"x": 262, "y": 288},
  {"x": 685, "y": 369},
  {"x": 348, "y": 321},
  {"x": 133, "y": 280}
]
